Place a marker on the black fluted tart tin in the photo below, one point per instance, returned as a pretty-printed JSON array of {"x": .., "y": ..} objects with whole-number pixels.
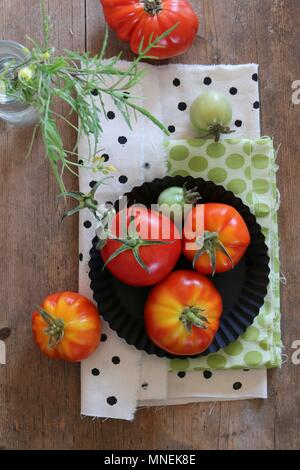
[{"x": 243, "y": 289}]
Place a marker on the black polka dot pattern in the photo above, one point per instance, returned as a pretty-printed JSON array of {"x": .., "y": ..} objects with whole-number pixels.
[
  {"x": 80, "y": 162},
  {"x": 95, "y": 92},
  {"x": 122, "y": 140},
  {"x": 207, "y": 374},
  {"x": 237, "y": 386},
  {"x": 111, "y": 401},
  {"x": 111, "y": 115},
  {"x": 182, "y": 106},
  {"x": 116, "y": 360},
  {"x": 123, "y": 179},
  {"x": 207, "y": 81},
  {"x": 87, "y": 224},
  {"x": 127, "y": 94}
]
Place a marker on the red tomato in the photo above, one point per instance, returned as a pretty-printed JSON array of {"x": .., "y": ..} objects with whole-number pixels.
[
  {"x": 67, "y": 326},
  {"x": 146, "y": 254},
  {"x": 135, "y": 20},
  {"x": 222, "y": 242},
  {"x": 182, "y": 313}
]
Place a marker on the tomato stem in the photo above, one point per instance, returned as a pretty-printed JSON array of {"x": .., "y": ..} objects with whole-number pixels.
[
  {"x": 133, "y": 242},
  {"x": 209, "y": 243},
  {"x": 85, "y": 200},
  {"x": 55, "y": 329},
  {"x": 192, "y": 316},
  {"x": 190, "y": 196},
  {"x": 152, "y": 6},
  {"x": 215, "y": 130}
]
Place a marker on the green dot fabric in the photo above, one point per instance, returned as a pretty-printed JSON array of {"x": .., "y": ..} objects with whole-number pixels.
[{"x": 248, "y": 168}]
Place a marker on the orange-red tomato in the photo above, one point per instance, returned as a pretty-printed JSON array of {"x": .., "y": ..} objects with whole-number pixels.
[
  {"x": 136, "y": 21},
  {"x": 182, "y": 313},
  {"x": 222, "y": 242},
  {"x": 67, "y": 326}
]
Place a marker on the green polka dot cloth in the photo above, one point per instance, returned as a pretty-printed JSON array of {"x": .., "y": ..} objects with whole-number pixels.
[{"x": 248, "y": 169}]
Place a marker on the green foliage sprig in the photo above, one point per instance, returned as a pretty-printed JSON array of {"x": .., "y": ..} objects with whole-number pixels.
[{"x": 47, "y": 80}]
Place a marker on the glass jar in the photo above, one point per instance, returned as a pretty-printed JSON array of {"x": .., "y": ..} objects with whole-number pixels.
[{"x": 11, "y": 110}]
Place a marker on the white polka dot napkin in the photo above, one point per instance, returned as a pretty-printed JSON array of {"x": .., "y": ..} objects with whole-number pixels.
[{"x": 118, "y": 378}]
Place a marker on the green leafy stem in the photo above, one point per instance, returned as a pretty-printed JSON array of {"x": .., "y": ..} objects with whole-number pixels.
[{"x": 51, "y": 82}]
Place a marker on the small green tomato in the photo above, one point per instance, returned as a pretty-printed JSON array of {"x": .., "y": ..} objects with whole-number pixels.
[
  {"x": 211, "y": 113},
  {"x": 172, "y": 200}
]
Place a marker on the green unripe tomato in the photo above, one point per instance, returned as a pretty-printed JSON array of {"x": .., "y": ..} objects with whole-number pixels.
[
  {"x": 174, "y": 195},
  {"x": 211, "y": 112},
  {"x": 171, "y": 201}
]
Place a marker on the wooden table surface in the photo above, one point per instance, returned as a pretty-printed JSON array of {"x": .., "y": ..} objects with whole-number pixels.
[{"x": 40, "y": 399}]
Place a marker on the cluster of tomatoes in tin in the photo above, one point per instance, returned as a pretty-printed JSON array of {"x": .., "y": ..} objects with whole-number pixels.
[{"x": 183, "y": 310}]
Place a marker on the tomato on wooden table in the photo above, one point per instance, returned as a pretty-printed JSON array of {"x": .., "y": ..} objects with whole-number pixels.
[
  {"x": 182, "y": 313},
  {"x": 221, "y": 243},
  {"x": 147, "y": 252},
  {"x": 141, "y": 22},
  {"x": 67, "y": 326}
]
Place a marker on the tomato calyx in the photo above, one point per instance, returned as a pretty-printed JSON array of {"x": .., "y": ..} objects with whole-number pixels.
[
  {"x": 215, "y": 130},
  {"x": 85, "y": 200},
  {"x": 55, "y": 329},
  {"x": 152, "y": 6},
  {"x": 190, "y": 196},
  {"x": 133, "y": 242},
  {"x": 192, "y": 316},
  {"x": 209, "y": 243}
]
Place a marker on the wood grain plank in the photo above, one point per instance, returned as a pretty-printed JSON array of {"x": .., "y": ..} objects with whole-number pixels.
[
  {"x": 38, "y": 256},
  {"x": 41, "y": 399}
]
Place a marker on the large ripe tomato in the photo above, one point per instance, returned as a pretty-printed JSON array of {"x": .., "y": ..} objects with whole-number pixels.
[
  {"x": 144, "y": 255},
  {"x": 182, "y": 313},
  {"x": 136, "y": 21},
  {"x": 66, "y": 326},
  {"x": 221, "y": 243}
]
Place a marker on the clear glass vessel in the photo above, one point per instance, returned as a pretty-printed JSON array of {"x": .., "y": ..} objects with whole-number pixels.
[{"x": 12, "y": 110}]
